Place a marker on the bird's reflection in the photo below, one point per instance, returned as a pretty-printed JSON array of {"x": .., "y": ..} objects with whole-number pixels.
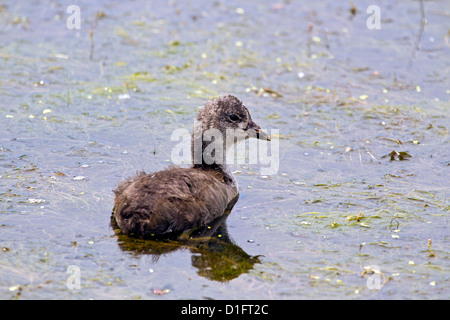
[{"x": 214, "y": 253}]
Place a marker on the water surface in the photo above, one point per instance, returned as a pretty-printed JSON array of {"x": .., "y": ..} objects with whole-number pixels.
[{"x": 362, "y": 190}]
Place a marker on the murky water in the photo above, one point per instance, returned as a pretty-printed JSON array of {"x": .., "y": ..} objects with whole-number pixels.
[{"x": 357, "y": 210}]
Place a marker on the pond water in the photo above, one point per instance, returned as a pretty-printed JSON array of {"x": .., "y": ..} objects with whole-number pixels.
[{"x": 358, "y": 208}]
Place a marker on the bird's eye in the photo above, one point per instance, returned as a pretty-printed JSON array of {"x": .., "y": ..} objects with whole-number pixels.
[{"x": 234, "y": 117}]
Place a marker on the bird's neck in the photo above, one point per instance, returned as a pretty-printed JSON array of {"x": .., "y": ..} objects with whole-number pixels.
[{"x": 210, "y": 154}]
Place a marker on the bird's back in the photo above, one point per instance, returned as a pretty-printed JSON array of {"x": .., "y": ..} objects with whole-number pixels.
[{"x": 172, "y": 201}]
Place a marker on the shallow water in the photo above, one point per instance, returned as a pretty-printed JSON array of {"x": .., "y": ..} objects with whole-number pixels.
[{"x": 80, "y": 111}]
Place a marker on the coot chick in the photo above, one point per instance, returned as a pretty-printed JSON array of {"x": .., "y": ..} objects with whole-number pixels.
[{"x": 178, "y": 200}]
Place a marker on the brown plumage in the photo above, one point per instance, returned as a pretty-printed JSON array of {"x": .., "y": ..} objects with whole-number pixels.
[{"x": 176, "y": 200}]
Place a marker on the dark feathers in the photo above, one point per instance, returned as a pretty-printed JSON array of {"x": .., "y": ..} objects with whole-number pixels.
[{"x": 171, "y": 201}]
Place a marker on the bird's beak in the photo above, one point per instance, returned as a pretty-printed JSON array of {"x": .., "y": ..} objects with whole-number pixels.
[{"x": 254, "y": 131}]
